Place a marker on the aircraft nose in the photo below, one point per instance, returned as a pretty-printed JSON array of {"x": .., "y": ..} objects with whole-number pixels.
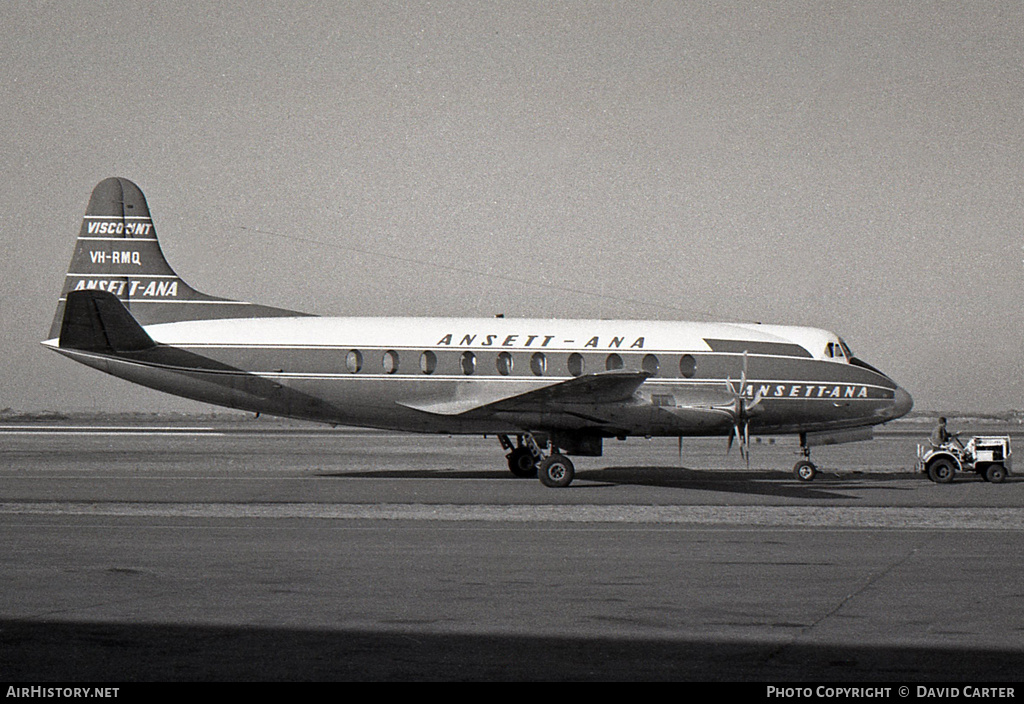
[{"x": 901, "y": 403}]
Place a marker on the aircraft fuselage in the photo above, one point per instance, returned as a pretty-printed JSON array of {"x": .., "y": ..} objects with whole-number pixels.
[{"x": 380, "y": 372}]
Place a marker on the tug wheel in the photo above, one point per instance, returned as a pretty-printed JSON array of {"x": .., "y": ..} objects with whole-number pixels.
[
  {"x": 995, "y": 473},
  {"x": 941, "y": 471}
]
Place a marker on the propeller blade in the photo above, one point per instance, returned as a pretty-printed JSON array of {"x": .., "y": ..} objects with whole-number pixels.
[
  {"x": 739, "y": 410},
  {"x": 746, "y": 442},
  {"x": 739, "y": 395},
  {"x": 757, "y": 400},
  {"x": 736, "y": 436}
]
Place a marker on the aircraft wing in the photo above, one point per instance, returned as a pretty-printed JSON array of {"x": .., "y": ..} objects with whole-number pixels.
[{"x": 600, "y": 387}]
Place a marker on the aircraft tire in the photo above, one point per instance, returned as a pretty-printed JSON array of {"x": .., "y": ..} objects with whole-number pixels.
[
  {"x": 522, "y": 463},
  {"x": 941, "y": 471},
  {"x": 556, "y": 471},
  {"x": 995, "y": 473},
  {"x": 805, "y": 470}
]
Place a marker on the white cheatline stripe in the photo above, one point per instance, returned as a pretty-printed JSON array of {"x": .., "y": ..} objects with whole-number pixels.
[
  {"x": 182, "y": 300},
  {"x": 117, "y": 239},
  {"x": 126, "y": 275}
]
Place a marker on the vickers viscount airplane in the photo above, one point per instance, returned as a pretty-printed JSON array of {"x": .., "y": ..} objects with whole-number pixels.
[{"x": 560, "y": 387}]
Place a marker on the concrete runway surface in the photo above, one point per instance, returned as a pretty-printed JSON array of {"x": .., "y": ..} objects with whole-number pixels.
[{"x": 263, "y": 551}]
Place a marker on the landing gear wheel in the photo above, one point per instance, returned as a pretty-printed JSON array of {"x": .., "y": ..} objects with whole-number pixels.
[
  {"x": 995, "y": 473},
  {"x": 805, "y": 470},
  {"x": 522, "y": 463},
  {"x": 941, "y": 471},
  {"x": 556, "y": 471}
]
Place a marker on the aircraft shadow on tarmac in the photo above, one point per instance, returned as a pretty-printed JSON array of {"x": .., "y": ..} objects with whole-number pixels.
[
  {"x": 758, "y": 483},
  {"x": 116, "y": 652}
]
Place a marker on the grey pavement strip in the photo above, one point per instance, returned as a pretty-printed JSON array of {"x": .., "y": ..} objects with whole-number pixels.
[{"x": 769, "y": 516}]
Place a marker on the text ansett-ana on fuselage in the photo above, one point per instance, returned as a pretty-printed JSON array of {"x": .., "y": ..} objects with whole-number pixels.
[{"x": 559, "y": 387}]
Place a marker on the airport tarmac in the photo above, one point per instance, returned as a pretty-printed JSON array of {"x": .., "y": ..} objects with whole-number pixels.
[{"x": 263, "y": 551}]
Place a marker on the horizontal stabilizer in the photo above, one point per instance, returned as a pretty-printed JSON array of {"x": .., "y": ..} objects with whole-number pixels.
[
  {"x": 96, "y": 321},
  {"x": 601, "y": 387}
]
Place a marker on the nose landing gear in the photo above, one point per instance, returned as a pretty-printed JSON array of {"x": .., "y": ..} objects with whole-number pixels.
[{"x": 804, "y": 469}]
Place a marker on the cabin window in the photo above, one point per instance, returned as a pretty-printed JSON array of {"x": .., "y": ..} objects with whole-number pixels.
[
  {"x": 354, "y": 361},
  {"x": 390, "y": 362},
  {"x": 504, "y": 363},
  {"x": 538, "y": 363},
  {"x": 428, "y": 362},
  {"x": 613, "y": 362},
  {"x": 468, "y": 362},
  {"x": 687, "y": 366},
  {"x": 576, "y": 364},
  {"x": 651, "y": 364}
]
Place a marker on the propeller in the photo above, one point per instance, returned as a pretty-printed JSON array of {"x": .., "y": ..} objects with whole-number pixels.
[{"x": 741, "y": 409}]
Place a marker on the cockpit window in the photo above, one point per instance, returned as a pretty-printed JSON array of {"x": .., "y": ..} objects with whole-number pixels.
[{"x": 837, "y": 351}]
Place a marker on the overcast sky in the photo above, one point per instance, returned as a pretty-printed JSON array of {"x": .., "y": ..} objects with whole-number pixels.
[{"x": 855, "y": 166}]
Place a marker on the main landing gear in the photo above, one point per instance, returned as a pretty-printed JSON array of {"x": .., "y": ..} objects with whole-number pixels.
[
  {"x": 525, "y": 459},
  {"x": 804, "y": 469}
]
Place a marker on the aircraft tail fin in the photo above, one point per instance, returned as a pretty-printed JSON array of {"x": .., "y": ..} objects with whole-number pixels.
[{"x": 117, "y": 251}]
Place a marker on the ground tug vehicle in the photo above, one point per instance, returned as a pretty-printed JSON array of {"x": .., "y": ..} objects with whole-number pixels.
[{"x": 987, "y": 455}]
